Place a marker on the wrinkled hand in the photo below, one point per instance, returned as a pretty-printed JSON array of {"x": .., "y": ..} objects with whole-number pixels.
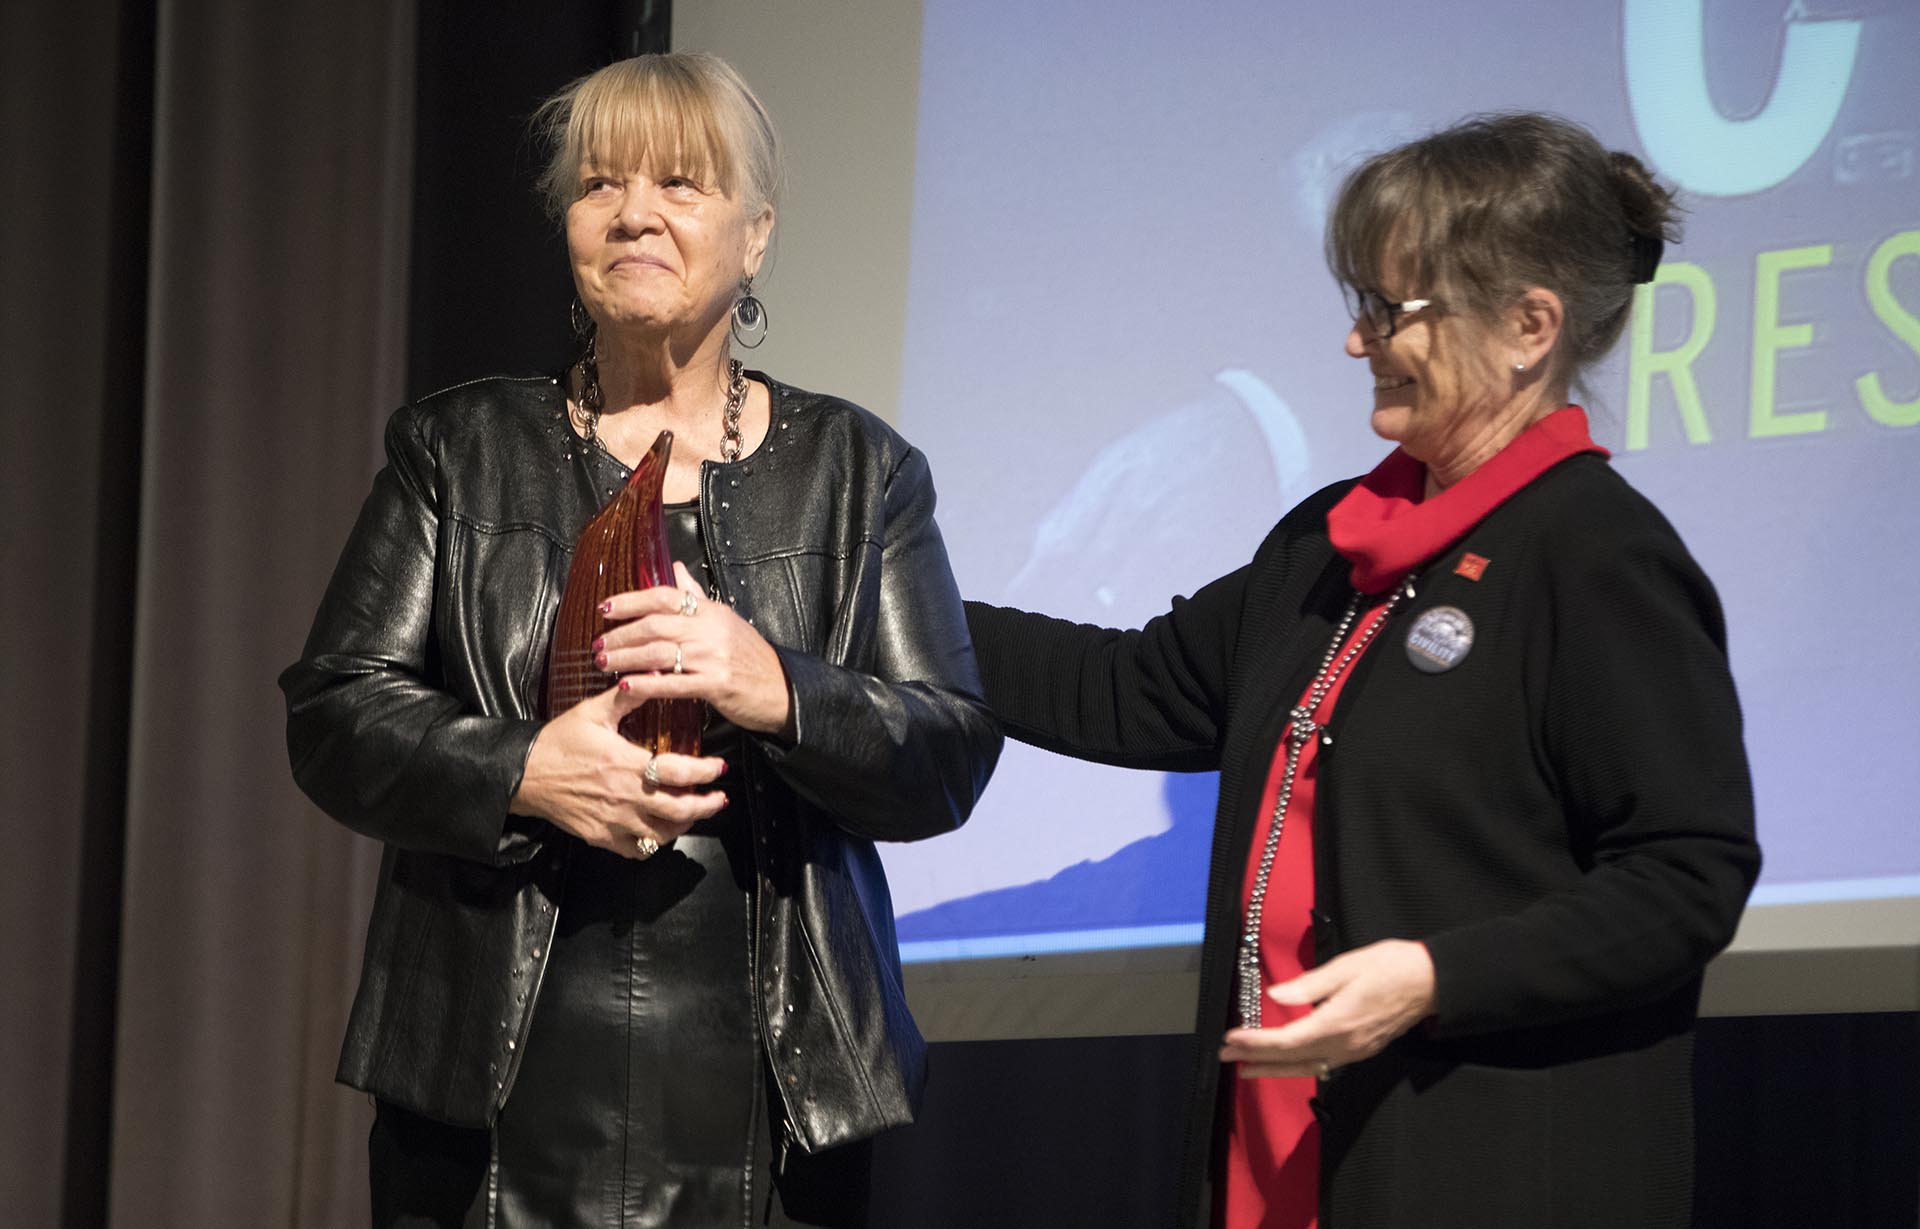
[
  {"x": 583, "y": 776},
  {"x": 1361, "y": 1001},
  {"x": 723, "y": 660}
]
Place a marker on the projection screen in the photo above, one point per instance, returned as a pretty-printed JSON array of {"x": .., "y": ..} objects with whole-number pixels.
[{"x": 1073, "y": 251}]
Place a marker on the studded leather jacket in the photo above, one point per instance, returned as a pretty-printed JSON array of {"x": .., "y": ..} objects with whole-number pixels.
[{"x": 413, "y": 708}]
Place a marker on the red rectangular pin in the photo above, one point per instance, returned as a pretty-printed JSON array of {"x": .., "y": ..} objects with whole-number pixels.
[{"x": 1471, "y": 566}]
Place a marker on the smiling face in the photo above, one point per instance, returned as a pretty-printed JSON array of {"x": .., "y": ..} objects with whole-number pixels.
[
  {"x": 1453, "y": 389},
  {"x": 661, "y": 250},
  {"x": 1436, "y": 380},
  {"x": 1525, "y": 231}
]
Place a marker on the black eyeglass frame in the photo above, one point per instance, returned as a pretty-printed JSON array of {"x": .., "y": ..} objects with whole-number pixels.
[{"x": 1382, "y": 316}]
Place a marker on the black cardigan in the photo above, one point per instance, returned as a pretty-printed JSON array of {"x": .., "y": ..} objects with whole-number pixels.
[{"x": 1564, "y": 817}]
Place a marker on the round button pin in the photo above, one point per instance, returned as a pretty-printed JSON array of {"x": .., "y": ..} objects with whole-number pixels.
[{"x": 1439, "y": 639}]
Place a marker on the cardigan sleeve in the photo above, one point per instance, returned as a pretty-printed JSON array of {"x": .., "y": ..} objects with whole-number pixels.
[
  {"x": 1641, "y": 732},
  {"x": 1150, "y": 698}
]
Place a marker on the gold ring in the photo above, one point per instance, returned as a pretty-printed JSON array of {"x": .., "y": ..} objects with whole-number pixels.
[
  {"x": 689, "y": 603},
  {"x": 648, "y": 847},
  {"x": 1322, "y": 1069},
  {"x": 651, "y": 775},
  {"x": 677, "y": 660}
]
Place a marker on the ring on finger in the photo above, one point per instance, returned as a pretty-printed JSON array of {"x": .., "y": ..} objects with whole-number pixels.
[
  {"x": 678, "y": 659},
  {"x": 648, "y": 847},
  {"x": 689, "y": 603},
  {"x": 651, "y": 775},
  {"x": 1322, "y": 1069}
]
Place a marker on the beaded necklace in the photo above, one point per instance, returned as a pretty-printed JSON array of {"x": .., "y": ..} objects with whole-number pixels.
[{"x": 1301, "y": 727}]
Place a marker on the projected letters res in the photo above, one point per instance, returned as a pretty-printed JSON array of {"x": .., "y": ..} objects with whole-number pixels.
[{"x": 1769, "y": 337}]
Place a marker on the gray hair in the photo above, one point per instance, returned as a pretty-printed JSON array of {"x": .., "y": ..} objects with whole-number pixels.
[{"x": 1476, "y": 214}]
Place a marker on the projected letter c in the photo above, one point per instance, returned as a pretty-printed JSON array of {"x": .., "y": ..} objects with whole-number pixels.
[{"x": 1687, "y": 135}]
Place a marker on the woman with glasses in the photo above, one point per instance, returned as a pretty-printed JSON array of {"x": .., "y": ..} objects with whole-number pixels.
[{"x": 1484, "y": 810}]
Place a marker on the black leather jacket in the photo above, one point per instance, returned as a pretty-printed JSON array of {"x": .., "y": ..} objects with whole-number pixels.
[{"x": 412, "y": 710}]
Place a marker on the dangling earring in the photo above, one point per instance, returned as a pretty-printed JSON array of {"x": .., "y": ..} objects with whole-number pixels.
[
  {"x": 591, "y": 399},
  {"x": 749, "y": 317}
]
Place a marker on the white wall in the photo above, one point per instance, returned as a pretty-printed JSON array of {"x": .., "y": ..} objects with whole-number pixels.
[{"x": 842, "y": 81}]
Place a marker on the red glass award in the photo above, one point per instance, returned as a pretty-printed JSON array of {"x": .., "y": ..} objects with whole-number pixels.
[{"x": 624, "y": 547}]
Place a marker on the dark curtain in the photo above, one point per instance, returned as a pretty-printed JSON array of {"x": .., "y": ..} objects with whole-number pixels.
[
  {"x": 73, "y": 205},
  {"x": 205, "y": 263},
  {"x": 209, "y": 214}
]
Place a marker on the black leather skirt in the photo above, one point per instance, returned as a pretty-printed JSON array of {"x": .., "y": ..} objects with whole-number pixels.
[{"x": 641, "y": 1098}]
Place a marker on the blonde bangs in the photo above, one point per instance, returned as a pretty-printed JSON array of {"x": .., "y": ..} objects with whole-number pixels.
[
  {"x": 659, "y": 121},
  {"x": 686, "y": 114}
]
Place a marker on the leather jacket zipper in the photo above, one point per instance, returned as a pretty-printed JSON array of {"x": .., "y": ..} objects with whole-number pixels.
[
  {"x": 788, "y": 1137},
  {"x": 719, "y": 593},
  {"x": 517, "y": 1046},
  {"x": 786, "y": 1144}
]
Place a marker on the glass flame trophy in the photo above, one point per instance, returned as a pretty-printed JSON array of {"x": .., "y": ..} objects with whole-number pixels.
[{"x": 623, "y": 548}]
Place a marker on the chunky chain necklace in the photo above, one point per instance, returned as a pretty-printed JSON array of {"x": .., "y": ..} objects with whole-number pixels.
[
  {"x": 1301, "y": 727},
  {"x": 592, "y": 401},
  {"x": 730, "y": 417}
]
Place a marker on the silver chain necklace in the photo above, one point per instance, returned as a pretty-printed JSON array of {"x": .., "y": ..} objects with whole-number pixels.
[
  {"x": 592, "y": 401},
  {"x": 1301, "y": 727}
]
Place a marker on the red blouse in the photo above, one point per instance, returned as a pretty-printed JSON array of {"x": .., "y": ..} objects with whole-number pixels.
[{"x": 1385, "y": 530}]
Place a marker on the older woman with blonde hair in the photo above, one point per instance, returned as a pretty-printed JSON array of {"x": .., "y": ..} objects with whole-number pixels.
[
  {"x": 1484, "y": 811},
  {"x": 604, "y": 986}
]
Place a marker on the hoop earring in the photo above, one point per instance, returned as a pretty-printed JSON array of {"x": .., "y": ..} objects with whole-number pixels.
[{"x": 750, "y": 320}]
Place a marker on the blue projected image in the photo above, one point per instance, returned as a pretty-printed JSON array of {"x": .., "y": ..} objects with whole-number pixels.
[
  {"x": 1149, "y": 892},
  {"x": 1123, "y": 357}
]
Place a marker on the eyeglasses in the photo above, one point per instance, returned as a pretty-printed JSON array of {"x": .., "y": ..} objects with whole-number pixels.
[{"x": 1380, "y": 316}]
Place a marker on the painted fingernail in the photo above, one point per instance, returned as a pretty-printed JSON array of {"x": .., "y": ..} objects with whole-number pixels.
[
  {"x": 600, "y": 660},
  {"x": 606, "y": 607},
  {"x": 599, "y": 642},
  {"x": 626, "y": 685}
]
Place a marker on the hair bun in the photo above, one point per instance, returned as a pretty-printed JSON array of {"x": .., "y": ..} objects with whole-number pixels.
[{"x": 1650, "y": 211}]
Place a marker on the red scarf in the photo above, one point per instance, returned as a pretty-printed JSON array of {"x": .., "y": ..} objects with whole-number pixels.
[{"x": 1385, "y": 529}]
